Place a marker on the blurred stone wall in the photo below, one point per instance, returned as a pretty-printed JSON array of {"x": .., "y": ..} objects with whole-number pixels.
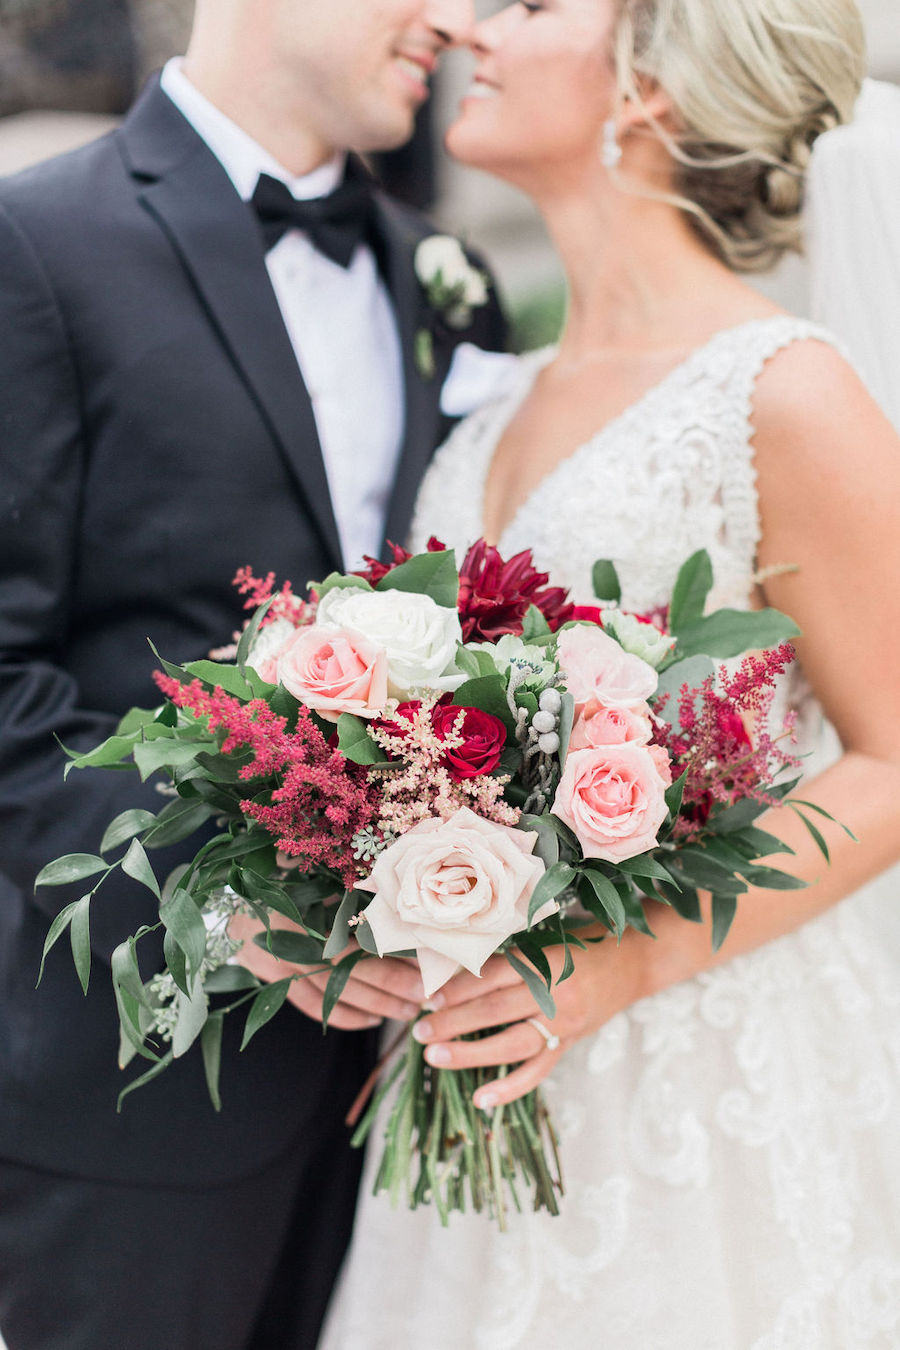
[{"x": 73, "y": 54}]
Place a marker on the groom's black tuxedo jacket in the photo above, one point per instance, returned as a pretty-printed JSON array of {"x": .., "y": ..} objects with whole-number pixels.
[{"x": 155, "y": 434}]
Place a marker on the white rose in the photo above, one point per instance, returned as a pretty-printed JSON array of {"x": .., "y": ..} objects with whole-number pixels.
[
  {"x": 637, "y": 637},
  {"x": 419, "y": 636},
  {"x": 267, "y": 646},
  {"x": 441, "y": 257},
  {"x": 455, "y": 890}
]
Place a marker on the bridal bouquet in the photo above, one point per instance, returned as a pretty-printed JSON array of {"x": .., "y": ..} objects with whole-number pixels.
[{"x": 446, "y": 764}]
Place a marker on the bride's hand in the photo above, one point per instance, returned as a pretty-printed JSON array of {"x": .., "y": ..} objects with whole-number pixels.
[{"x": 607, "y": 978}]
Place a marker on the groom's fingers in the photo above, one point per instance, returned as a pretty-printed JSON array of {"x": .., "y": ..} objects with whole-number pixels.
[{"x": 368, "y": 998}]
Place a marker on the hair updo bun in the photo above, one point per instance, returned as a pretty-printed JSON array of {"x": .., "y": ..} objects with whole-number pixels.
[{"x": 752, "y": 84}]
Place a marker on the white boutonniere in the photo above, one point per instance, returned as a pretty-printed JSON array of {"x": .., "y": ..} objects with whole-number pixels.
[{"x": 454, "y": 289}]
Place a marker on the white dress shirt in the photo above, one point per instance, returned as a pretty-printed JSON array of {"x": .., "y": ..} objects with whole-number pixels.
[{"x": 341, "y": 325}]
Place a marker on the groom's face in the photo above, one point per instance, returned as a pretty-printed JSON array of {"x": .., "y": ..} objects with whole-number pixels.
[{"x": 361, "y": 68}]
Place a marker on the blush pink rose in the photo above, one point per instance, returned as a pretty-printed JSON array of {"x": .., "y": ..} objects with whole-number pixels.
[
  {"x": 597, "y": 724},
  {"x": 596, "y": 667},
  {"x": 334, "y": 671},
  {"x": 455, "y": 890},
  {"x": 613, "y": 799}
]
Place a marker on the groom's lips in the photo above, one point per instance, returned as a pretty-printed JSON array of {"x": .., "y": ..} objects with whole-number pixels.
[{"x": 417, "y": 67}]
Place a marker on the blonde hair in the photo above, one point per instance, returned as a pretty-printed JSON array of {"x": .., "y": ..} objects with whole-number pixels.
[{"x": 752, "y": 84}]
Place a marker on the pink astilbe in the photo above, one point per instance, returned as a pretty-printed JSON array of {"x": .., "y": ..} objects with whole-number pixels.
[
  {"x": 424, "y": 787},
  {"x": 318, "y": 800},
  {"x": 285, "y": 605},
  {"x": 725, "y": 739}
]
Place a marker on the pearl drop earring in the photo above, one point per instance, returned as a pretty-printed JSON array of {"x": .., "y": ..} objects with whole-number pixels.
[{"x": 611, "y": 151}]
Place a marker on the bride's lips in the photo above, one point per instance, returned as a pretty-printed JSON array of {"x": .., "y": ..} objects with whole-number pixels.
[
  {"x": 416, "y": 68},
  {"x": 481, "y": 89}
]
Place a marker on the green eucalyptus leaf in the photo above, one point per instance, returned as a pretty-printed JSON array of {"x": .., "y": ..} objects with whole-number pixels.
[
  {"x": 125, "y": 827},
  {"x": 191, "y": 1012},
  {"x": 608, "y": 898},
  {"x": 230, "y": 980},
  {"x": 606, "y": 582},
  {"x": 566, "y": 723},
  {"x": 135, "y": 720},
  {"x": 159, "y": 1067},
  {"x": 184, "y": 921},
  {"x": 174, "y": 672},
  {"x": 554, "y": 881},
  {"x": 286, "y": 945},
  {"x": 547, "y": 844},
  {"x": 178, "y": 820},
  {"x": 692, "y": 586},
  {"x": 684, "y": 898},
  {"x": 115, "y": 750},
  {"x": 264, "y": 1007},
  {"x": 137, "y": 865},
  {"x": 675, "y": 795},
  {"x": 57, "y": 928},
  {"x": 211, "y": 1047},
  {"x": 80, "y": 937},
  {"x": 724, "y": 908},
  {"x": 773, "y": 879},
  {"x": 73, "y": 867},
  {"x": 351, "y": 902},
  {"x": 337, "y": 581},
  {"x": 249, "y": 634},
  {"x": 151, "y": 756},
  {"x": 732, "y": 632},
  {"x": 176, "y": 963},
  {"x": 337, "y": 981},
  {"x": 537, "y": 987}
]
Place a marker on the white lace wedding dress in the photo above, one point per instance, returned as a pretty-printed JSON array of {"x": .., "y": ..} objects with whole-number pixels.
[{"x": 731, "y": 1146}]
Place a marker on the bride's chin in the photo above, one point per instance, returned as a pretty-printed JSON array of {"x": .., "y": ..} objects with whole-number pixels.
[{"x": 467, "y": 145}]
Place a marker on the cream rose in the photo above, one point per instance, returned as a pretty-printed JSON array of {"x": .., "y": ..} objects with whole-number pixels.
[
  {"x": 596, "y": 667},
  {"x": 419, "y": 636},
  {"x": 454, "y": 890},
  {"x": 613, "y": 799},
  {"x": 334, "y": 671}
]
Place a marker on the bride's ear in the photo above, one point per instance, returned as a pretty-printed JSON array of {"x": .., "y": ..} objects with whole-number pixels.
[{"x": 652, "y": 107}]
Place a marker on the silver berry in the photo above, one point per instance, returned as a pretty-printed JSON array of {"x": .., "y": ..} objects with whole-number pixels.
[
  {"x": 550, "y": 701},
  {"x": 548, "y": 744},
  {"x": 543, "y": 721}
]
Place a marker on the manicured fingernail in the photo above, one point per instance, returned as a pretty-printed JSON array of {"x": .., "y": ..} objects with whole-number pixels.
[
  {"x": 375, "y": 1022},
  {"x": 435, "y": 1003},
  {"x": 422, "y": 1032},
  {"x": 485, "y": 1101},
  {"x": 438, "y": 1055}
]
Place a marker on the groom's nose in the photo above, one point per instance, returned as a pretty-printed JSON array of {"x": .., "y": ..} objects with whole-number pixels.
[{"x": 452, "y": 20}]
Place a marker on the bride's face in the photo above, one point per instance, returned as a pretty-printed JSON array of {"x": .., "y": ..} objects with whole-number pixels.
[{"x": 543, "y": 85}]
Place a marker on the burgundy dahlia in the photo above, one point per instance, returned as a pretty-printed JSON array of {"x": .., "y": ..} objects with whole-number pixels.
[{"x": 494, "y": 596}]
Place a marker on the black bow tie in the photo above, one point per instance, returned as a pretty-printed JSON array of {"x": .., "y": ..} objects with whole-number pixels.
[{"x": 335, "y": 224}]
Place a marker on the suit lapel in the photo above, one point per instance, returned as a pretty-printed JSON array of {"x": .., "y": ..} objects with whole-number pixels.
[
  {"x": 398, "y": 241},
  {"x": 188, "y": 193}
]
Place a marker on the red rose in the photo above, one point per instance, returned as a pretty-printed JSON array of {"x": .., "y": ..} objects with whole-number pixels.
[
  {"x": 484, "y": 738},
  {"x": 587, "y": 614}
]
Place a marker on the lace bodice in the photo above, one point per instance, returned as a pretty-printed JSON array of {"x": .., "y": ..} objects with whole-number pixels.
[{"x": 671, "y": 474}]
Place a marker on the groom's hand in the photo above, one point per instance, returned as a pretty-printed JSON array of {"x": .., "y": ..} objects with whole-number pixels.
[{"x": 376, "y": 989}]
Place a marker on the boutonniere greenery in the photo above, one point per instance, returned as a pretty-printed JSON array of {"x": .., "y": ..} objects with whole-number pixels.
[{"x": 453, "y": 287}]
